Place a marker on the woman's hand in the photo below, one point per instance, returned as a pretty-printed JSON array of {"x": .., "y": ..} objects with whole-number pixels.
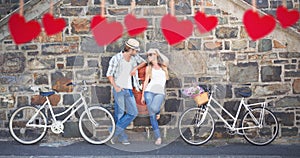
[{"x": 143, "y": 99}]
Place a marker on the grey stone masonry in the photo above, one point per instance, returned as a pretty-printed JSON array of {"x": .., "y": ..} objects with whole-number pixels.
[{"x": 269, "y": 68}]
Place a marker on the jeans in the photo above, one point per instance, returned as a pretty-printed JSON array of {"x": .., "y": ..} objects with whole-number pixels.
[
  {"x": 154, "y": 102},
  {"x": 124, "y": 102}
]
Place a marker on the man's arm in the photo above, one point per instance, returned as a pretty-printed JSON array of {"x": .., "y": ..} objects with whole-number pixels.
[{"x": 113, "y": 83}]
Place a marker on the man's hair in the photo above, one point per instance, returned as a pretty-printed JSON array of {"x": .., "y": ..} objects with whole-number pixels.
[{"x": 126, "y": 48}]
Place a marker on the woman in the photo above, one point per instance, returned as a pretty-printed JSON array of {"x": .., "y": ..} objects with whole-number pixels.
[{"x": 154, "y": 87}]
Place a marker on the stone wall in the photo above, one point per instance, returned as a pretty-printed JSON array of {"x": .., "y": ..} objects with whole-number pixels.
[{"x": 226, "y": 57}]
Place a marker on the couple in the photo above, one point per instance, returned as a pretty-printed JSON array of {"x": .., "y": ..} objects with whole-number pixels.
[{"x": 122, "y": 74}]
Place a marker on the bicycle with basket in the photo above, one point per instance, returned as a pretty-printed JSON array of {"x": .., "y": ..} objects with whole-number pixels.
[{"x": 259, "y": 125}]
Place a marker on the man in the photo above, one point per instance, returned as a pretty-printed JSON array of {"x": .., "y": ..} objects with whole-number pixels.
[{"x": 121, "y": 73}]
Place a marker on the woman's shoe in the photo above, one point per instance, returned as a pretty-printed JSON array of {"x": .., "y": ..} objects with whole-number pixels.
[{"x": 158, "y": 141}]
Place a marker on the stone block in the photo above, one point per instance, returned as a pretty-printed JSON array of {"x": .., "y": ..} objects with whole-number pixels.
[
  {"x": 166, "y": 119},
  {"x": 12, "y": 62},
  {"x": 296, "y": 86},
  {"x": 79, "y": 3},
  {"x": 101, "y": 95},
  {"x": 271, "y": 73},
  {"x": 292, "y": 73},
  {"x": 93, "y": 63},
  {"x": 40, "y": 79},
  {"x": 87, "y": 74},
  {"x": 59, "y": 48},
  {"x": 123, "y": 2},
  {"x": 142, "y": 121},
  {"x": 243, "y": 72},
  {"x": 213, "y": 46},
  {"x": 107, "y": 1},
  {"x": 194, "y": 44},
  {"x": 289, "y": 55},
  {"x": 174, "y": 83},
  {"x": 273, "y": 89},
  {"x": 239, "y": 45},
  {"x": 75, "y": 61},
  {"x": 147, "y": 2},
  {"x": 89, "y": 45},
  {"x": 22, "y": 101},
  {"x": 41, "y": 64},
  {"x": 183, "y": 8},
  {"x": 118, "y": 11},
  {"x": 157, "y": 11},
  {"x": 239, "y": 90},
  {"x": 286, "y": 118},
  {"x": 71, "y": 11},
  {"x": 71, "y": 130},
  {"x": 60, "y": 84},
  {"x": 289, "y": 132},
  {"x": 227, "y": 32},
  {"x": 30, "y": 47},
  {"x": 173, "y": 105},
  {"x": 231, "y": 107},
  {"x": 265, "y": 45},
  {"x": 288, "y": 101},
  {"x": 69, "y": 99},
  {"x": 104, "y": 65},
  {"x": 80, "y": 26},
  {"x": 228, "y": 56}
]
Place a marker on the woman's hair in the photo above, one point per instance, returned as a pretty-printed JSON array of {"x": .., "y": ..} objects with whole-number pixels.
[{"x": 160, "y": 62}]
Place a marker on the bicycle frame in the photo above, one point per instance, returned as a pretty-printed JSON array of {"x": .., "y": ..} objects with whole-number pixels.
[
  {"x": 233, "y": 127},
  {"x": 54, "y": 116}
]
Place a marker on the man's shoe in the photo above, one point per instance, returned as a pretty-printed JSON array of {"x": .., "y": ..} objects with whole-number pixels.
[{"x": 125, "y": 142}]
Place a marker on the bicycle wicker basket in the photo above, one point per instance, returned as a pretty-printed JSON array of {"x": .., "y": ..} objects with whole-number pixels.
[{"x": 201, "y": 98}]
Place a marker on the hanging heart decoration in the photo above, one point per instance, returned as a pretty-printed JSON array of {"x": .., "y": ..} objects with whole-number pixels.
[
  {"x": 22, "y": 31},
  {"x": 135, "y": 26},
  {"x": 175, "y": 31},
  {"x": 51, "y": 25},
  {"x": 285, "y": 17},
  {"x": 105, "y": 32},
  {"x": 205, "y": 23},
  {"x": 258, "y": 27}
]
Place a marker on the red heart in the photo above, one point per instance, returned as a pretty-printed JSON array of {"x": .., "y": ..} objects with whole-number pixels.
[
  {"x": 256, "y": 26},
  {"x": 53, "y": 26},
  {"x": 105, "y": 32},
  {"x": 22, "y": 31},
  {"x": 285, "y": 17},
  {"x": 175, "y": 31},
  {"x": 135, "y": 26},
  {"x": 204, "y": 23}
]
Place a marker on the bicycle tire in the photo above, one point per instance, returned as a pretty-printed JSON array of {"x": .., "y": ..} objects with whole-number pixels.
[
  {"x": 100, "y": 133},
  {"x": 261, "y": 135},
  {"x": 191, "y": 132},
  {"x": 24, "y": 134}
]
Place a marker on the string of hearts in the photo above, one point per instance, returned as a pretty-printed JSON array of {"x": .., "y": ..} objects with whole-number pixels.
[{"x": 174, "y": 30}]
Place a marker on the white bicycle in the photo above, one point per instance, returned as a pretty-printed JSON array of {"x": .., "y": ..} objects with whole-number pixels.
[
  {"x": 29, "y": 124},
  {"x": 259, "y": 125}
]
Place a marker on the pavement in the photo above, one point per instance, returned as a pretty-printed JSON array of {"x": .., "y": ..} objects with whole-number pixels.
[{"x": 215, "y": 148}]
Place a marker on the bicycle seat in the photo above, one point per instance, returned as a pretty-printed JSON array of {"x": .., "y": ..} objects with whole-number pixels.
[
  {"x": 245, "y": 94},
  {"x": 47, "y": 94}
]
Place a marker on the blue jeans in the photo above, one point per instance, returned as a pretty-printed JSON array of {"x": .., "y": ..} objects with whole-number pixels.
[
  {"x": 124, "y": 102},
  {"x": 154, "y": 102}
]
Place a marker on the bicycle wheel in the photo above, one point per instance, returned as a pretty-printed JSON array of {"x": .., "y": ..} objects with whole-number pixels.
[
  {"x": 192, "y": 130},
  {"x": 27, "y": 125},
  {"x": 99, "y": 128},
  {"x": 260, "y": 135}
]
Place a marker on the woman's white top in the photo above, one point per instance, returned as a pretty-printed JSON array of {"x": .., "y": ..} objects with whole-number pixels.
[{"x": 157, "y": 82}]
